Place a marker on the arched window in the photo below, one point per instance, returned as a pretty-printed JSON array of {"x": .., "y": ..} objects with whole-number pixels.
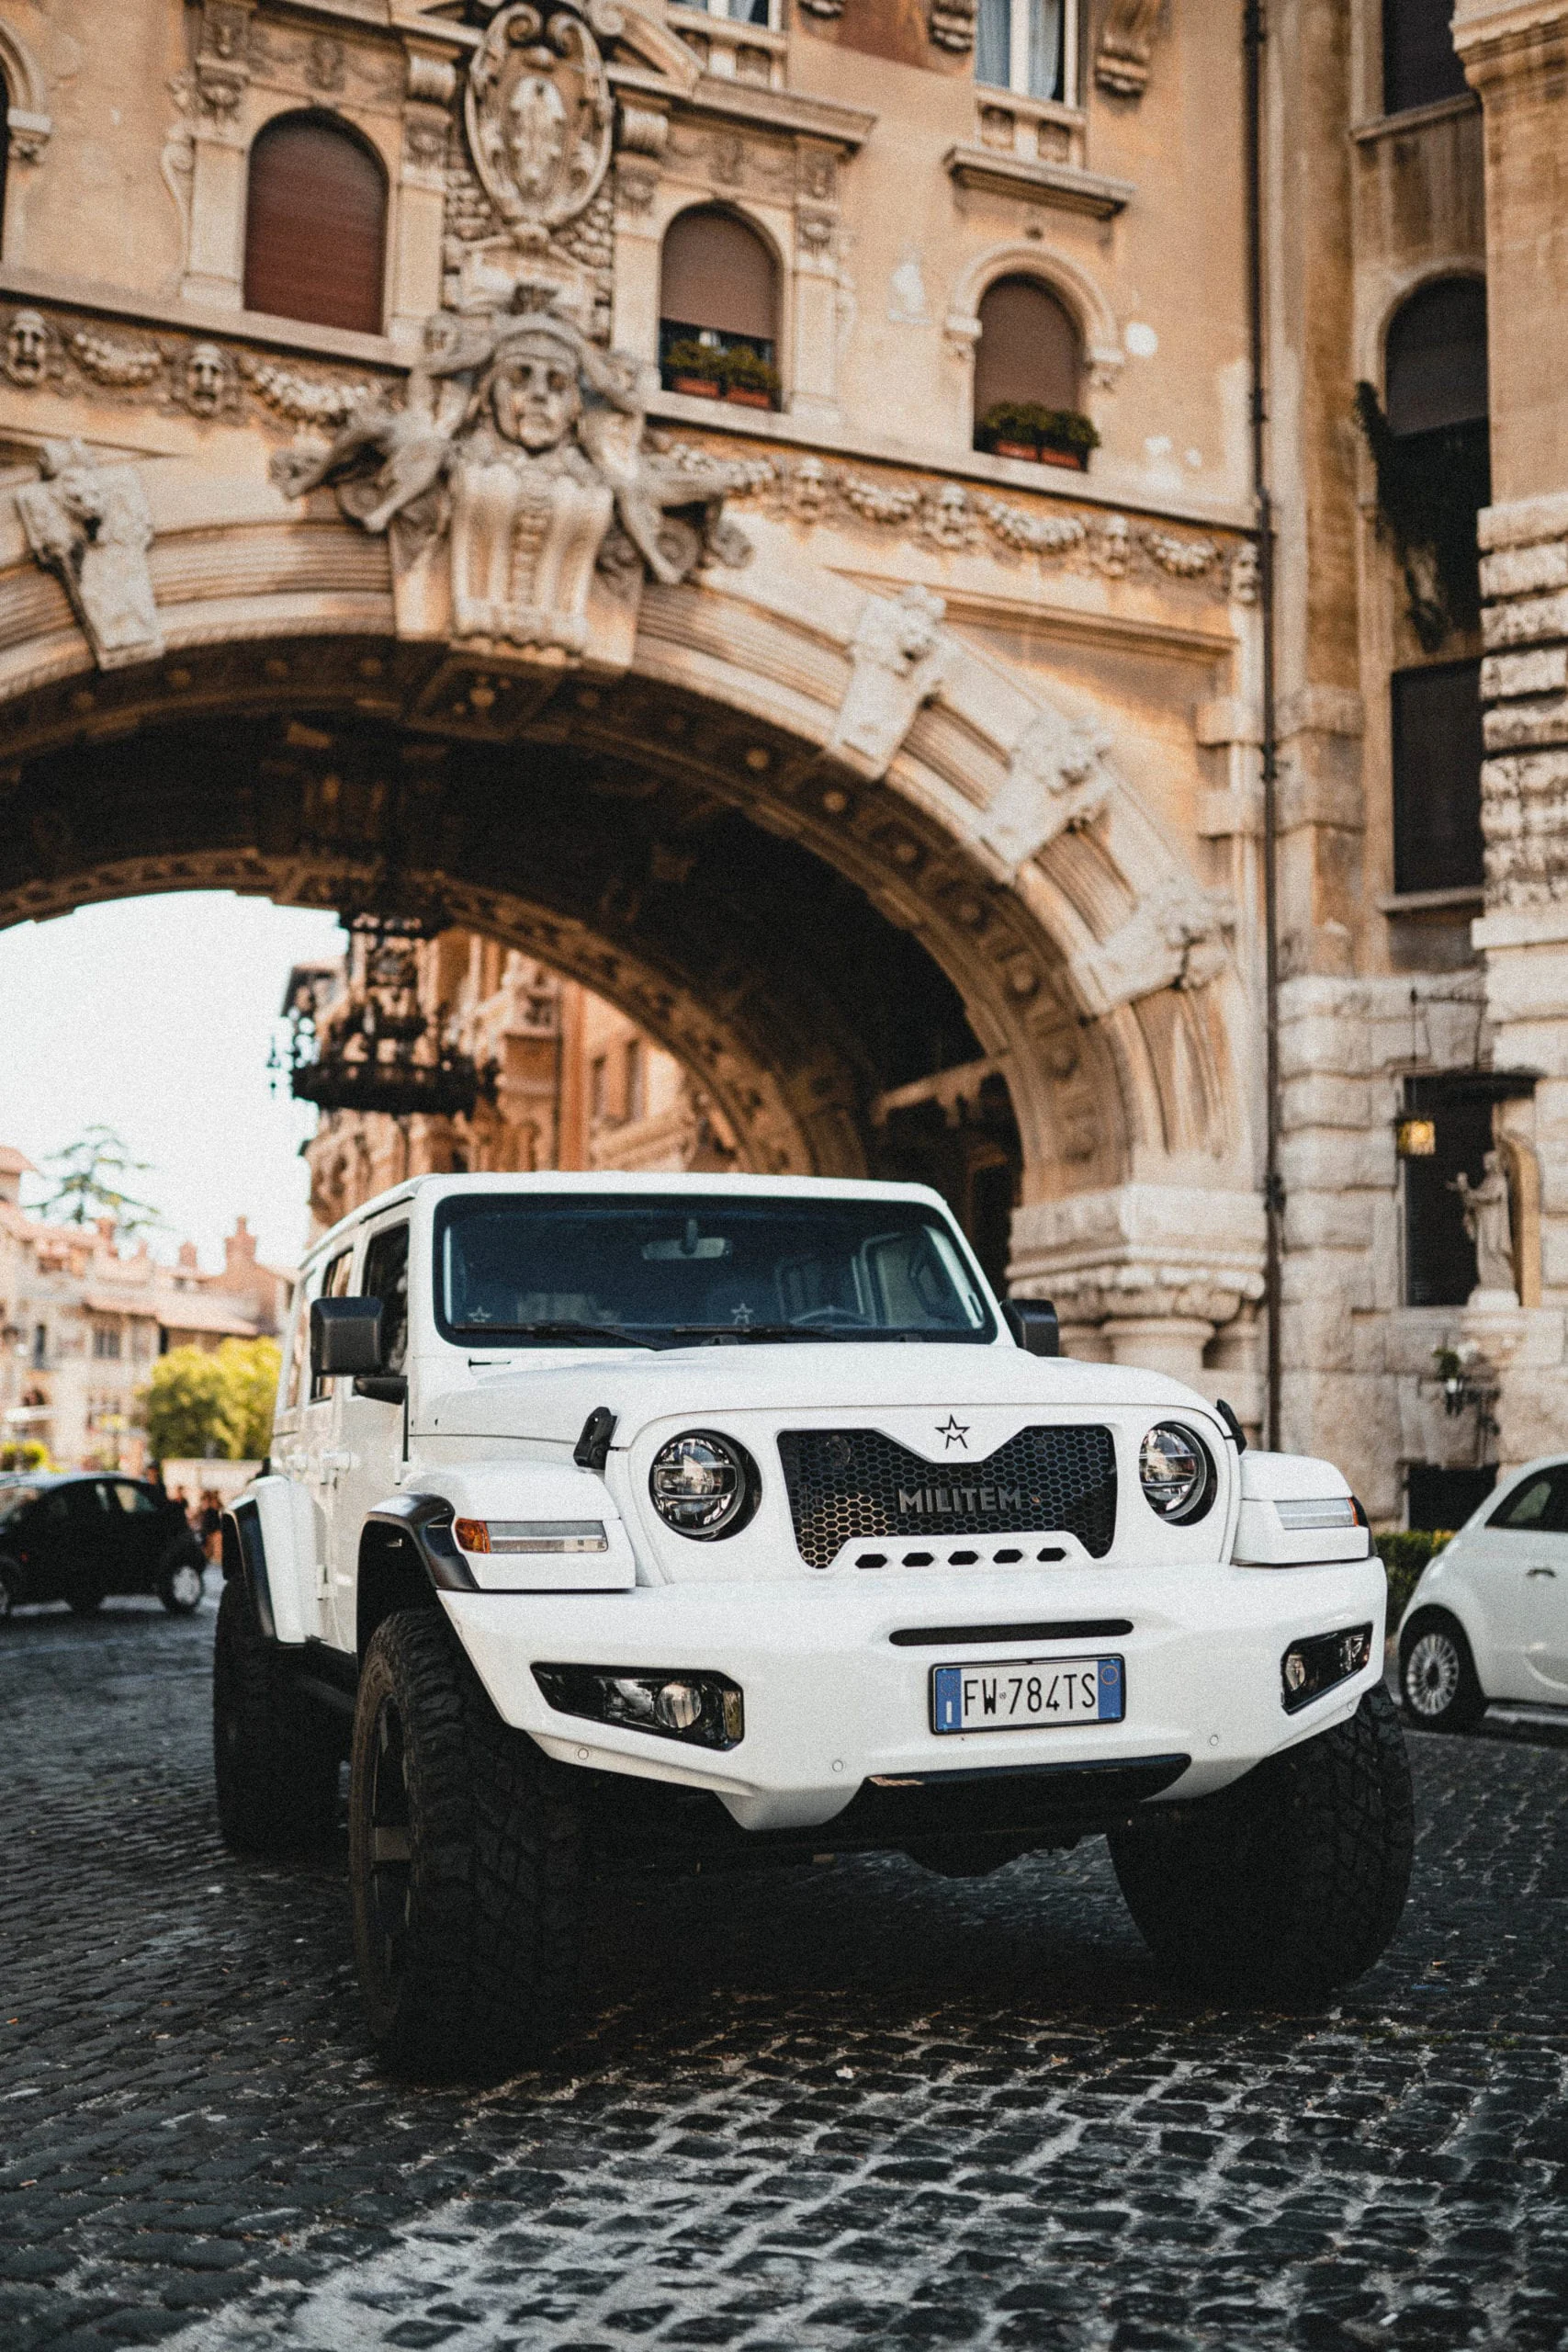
[
  {"x": 1433, "y": 475},
  {"x": 1022, "y": 45},
  {"x": 315, "y": 224},
  {"x": 1436, "y": 369},
  {"x": 5, "y": 151},
  {"x": 718, "y": 309},
  {"x": 1419, "y": 64},
  {"x": 1028, "y": 371}
]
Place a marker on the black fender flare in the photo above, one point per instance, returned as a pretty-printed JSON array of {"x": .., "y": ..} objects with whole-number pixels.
[
  {"x": 424, "y": 1523},
  {"x": 244, "y": 1554}
]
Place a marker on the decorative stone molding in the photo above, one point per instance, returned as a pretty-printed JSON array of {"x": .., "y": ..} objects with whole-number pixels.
[
  {"x": 951, "y": 25},
  {"x": 90, "y": 525},
  {"x": 1143, "y": 1255},
  {"x": 28, "y": 117},
  {"x": 1177, "y": 939},
  {"x": 643, "y": 129},
  {"x": 899, "y": 658},
  {"x": 539, "y": 114},
  {"x": 1524, "y": 682},
  {"x": 1032, "y": 180},
  {"x": 1126, "y": 41},
  {"x": 1066, "y": 277},
  {"x": 199, "y": 374}
]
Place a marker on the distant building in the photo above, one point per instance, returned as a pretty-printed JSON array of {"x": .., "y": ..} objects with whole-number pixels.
[
  {"x": 82, "y": 1322},
  {"x": 569, "y": 1083}
]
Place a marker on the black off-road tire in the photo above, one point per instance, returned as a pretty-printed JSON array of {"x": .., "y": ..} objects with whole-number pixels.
[
  {"x": 275, "y": 1753},
  {"x": 173, "y": 1586},
  {"x": 465, "y": 1860},
  {"x": 1290, "y": 1882},
  {"x": 1437, "y": 1681}
]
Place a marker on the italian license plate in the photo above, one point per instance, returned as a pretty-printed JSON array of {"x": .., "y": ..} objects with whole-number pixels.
[{"x": 1028, "y": 1694}]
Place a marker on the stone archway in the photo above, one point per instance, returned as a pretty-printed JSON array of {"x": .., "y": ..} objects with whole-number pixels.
[{"x": 790, "y": 778}]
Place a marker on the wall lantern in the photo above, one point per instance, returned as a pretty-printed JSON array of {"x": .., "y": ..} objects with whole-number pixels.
[{"x": 1417, "y": 1138}]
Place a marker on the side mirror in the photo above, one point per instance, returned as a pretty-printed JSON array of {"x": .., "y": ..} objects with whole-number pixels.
[
  {"x": 345, "y": 1335},
  {"x": 1033, "y": 1322}
]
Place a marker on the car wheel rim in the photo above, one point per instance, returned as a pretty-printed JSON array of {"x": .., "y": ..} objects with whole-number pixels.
[
  {"x": 1431, "y": 1674},
  {"x": 186, "y": 1586},
  {"x": 391, "y": 1843}
]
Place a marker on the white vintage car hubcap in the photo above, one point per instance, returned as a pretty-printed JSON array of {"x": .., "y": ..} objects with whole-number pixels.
[{"x": 1431, "y": 1674}]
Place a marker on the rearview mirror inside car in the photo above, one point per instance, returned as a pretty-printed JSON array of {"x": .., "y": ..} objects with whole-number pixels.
[{"x": 345, "y": 1335}]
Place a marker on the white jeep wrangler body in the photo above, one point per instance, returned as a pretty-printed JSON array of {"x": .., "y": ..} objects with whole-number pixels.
[{"x": 886, "y": 1579}]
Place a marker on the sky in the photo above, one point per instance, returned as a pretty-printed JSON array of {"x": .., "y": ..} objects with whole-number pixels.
[{"x": 154, "y": 1016}]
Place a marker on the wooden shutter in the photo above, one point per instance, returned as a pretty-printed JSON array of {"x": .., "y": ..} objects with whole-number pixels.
[
  {"x": 315, "y": 225},
  {"x": 718, "y": 273},
  {"x": 1028, "y": 348}
]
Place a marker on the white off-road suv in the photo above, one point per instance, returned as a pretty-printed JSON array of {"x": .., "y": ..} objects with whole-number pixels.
[{"x": 682, "y": 1521}]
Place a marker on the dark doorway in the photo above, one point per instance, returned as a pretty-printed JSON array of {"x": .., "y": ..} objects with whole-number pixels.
[{"x": 1445, "y": 1498}]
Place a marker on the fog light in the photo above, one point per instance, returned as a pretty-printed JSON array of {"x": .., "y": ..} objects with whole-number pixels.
[
  {"x": 1310, "y": 1667},
  {"x": 704, "y": 1710}
]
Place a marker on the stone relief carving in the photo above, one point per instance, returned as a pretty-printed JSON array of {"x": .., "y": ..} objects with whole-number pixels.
[
  {"x": 1179, "y": 938},
  {"x": 31, "y": 352},
  {"x": 305, "y": 400},
  {"x": 90, "y": 525},
  {"x": 207, "y": 380},
  {"x": 1126, "y": 39},
  {"x": 1484, "y": 1207},
  {"x": 898, "y": 662},
  {"x": 111, "y": 362},
  {"x": 539, "y": 114},
  {"x": 1057, "y": 781},
  {"x": 956, "y": 518},
  {"x": 519, "y": 495},
  {"x": 952, "y": 24}
]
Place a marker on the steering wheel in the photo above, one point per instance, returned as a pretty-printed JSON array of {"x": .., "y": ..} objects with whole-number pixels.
[{"x": 834, "y": 1317}]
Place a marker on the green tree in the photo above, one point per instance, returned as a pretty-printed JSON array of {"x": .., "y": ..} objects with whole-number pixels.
[
  {"x": 89, "y": 1183},
  {"x": 222, "y": 1399}
]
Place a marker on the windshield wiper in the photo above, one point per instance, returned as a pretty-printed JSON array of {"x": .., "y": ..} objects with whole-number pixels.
[
  {"x": 763, "y": 1331},
  {"x": 590, "y": 1334}
]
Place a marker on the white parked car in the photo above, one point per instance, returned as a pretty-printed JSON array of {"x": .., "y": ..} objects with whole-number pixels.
[
  {"x": 701, "y": 1521},
  {"x": 1489, "y": 1619}
]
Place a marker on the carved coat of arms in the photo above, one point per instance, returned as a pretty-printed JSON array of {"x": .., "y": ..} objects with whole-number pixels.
[{"x": 540, "y": 116}]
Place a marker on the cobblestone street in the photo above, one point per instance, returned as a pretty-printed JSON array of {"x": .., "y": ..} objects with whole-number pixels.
[{"x": 857, "y": 2106}]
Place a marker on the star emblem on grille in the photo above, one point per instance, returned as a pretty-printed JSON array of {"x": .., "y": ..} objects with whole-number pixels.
[{"x": 953, "y": 1432}]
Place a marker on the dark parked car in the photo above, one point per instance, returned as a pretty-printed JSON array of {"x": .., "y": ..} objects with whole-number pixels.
[{"x": 80, "y": 1538}]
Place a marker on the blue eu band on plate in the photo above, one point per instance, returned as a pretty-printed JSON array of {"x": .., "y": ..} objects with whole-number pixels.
[{"x": 1028, "y": 1694}]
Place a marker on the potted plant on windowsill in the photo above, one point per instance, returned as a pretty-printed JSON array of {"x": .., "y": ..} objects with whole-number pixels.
[
  {"x": 1027, "y": 429},
  {"x": 692, "y": 368},
  {"x": 749, "y": 380}
]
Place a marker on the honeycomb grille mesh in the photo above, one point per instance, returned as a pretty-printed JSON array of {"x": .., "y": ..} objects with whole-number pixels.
[{"x": 848, "y": 1484}]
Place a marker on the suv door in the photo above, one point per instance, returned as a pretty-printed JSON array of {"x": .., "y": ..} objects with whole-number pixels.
[
  {"x": 325, "y": 1457},
  {"x": 371, "y": 1428}
]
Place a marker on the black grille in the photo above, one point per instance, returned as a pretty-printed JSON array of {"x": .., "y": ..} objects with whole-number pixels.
[{"x": 848, "y": 1484}]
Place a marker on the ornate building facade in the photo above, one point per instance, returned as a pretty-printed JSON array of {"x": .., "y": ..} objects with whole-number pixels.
[{"x": 922, "y": 549}]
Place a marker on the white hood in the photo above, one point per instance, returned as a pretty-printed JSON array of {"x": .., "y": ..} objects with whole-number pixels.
[{"x": 549, "y": 1403}]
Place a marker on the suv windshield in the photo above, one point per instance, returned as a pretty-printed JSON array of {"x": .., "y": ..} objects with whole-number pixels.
[{"x": 650, "y": 1270}]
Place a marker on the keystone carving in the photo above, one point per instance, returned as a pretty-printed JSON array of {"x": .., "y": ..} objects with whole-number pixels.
[
  {"x": 540, "y": 116},
  {"x": 900, "y": 659},
  {"x": 91, "y": 527},
  {"x": 1057, "y": 781},
  {"x": 1126, "y": 41},
  {"x": 524, "y": 508},
  {"x": 1177, "y": 939}
]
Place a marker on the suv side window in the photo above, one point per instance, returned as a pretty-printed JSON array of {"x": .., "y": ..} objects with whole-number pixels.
[
  {"x": 334, "y": 1284},
  {"x": 291, "y": 1389},
  {"x": 385, "y": 1277},
  {"x": 135, "y": 1500},
  {"x": 1539, "y": 1507}
]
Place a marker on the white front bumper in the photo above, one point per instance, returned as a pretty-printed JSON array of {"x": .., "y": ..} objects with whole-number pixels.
[{"x": 830, "y": 1702}]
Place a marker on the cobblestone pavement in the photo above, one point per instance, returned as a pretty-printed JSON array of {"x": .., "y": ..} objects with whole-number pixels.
[{"x": 852, "y": 2107}]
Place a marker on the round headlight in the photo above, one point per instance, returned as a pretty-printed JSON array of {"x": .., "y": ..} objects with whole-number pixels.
[
  {"x": 704, "y": 1485},
  {"x": 1176, "y": 1473}
]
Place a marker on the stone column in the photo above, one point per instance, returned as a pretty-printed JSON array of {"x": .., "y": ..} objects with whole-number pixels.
[
  {"x": 1149, "y": 1275},
  {"x": 215, "y": 258},
  {"x": 1516, "y": 54}
]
